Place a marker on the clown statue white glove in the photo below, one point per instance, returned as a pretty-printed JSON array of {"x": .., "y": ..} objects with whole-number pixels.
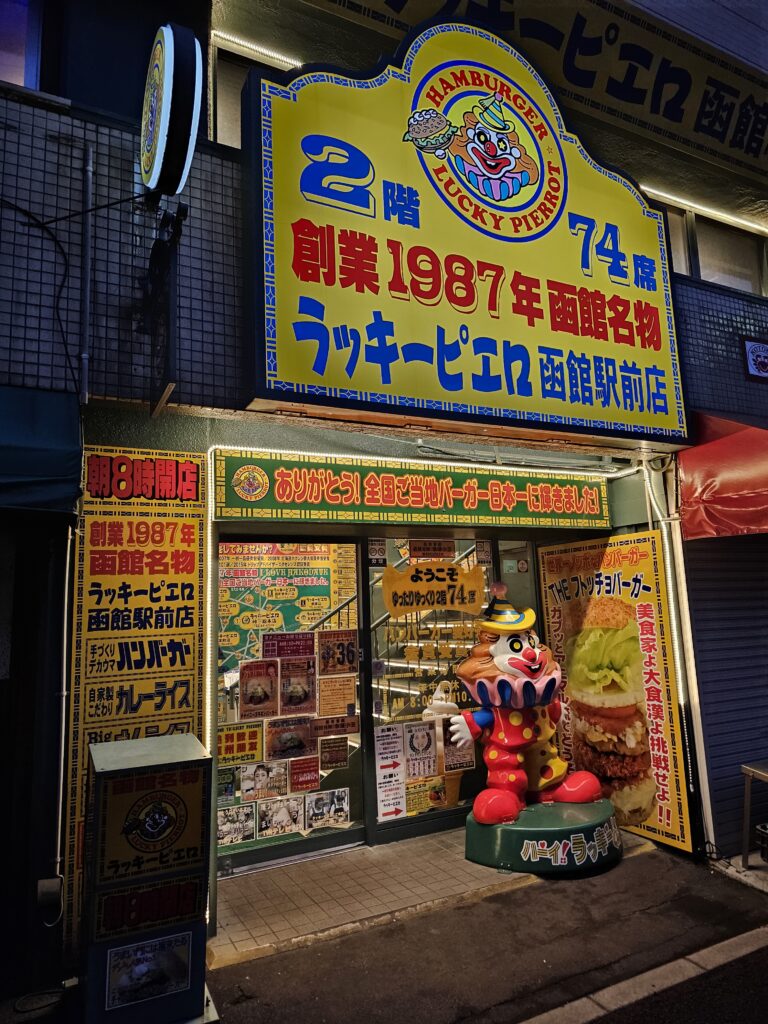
[{"x": 460, "y": 734}]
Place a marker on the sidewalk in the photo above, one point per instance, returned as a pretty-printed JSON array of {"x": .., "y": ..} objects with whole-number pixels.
[
  {"x": 279, "y": 908},
  {"x": 503, "y": 950},
  {"x": 411, "y": 931}
]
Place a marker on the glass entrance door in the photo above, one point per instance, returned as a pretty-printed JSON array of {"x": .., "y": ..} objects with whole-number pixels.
[
  {"x": 425, "y": 598},
  {"x": 289, "y": 758}
]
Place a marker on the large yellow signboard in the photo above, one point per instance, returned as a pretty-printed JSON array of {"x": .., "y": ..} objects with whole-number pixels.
[{"x": 434, "y": 241}]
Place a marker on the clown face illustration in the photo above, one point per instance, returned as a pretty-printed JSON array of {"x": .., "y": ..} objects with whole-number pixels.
[
  {"x": 519, "y": 654},
  {"x": 489, "y": 154},
  {"x": 513, "y": 670}
]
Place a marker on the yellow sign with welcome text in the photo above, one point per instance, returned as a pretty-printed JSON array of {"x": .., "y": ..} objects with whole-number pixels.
[{"x": 433, "y": 240}]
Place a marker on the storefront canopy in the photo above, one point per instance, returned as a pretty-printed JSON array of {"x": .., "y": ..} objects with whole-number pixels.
[
  {"x": 724, "y": 481},
  {"x": 40, "y": 450}
]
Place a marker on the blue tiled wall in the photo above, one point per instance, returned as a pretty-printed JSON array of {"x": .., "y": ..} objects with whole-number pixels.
[
  {"x": 711, "y": 321},
  {"x": 41, "y": 160}
]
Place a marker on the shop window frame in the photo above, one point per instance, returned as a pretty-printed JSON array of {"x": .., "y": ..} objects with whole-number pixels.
[
  {"x": 32, "y": 45},
  {"x": 264, "y": 66},
  {"x": 380, "y": 832},
  {"x": 230, "y": 864},
  {"x": 692, "y": 248},
  {"x": 370, "y": 832}
]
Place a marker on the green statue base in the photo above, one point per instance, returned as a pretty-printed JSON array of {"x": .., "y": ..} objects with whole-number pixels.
[{"x": 549, "y": 839}]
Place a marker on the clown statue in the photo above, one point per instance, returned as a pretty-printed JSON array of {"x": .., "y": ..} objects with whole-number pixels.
[{"x": 514, "y": 678}]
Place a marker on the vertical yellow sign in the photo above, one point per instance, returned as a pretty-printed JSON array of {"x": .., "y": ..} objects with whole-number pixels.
[
  {"x": 607, "y": 619},
  {"x": 137, "y": 662}
]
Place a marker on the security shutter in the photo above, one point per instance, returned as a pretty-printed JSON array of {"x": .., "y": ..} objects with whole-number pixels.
[{"x": 728, "y": 596}]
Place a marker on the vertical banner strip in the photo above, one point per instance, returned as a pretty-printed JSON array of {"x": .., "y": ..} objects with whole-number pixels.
[
  {"x": 138, "y": 623},
  {"x": 607, "y": 615}
]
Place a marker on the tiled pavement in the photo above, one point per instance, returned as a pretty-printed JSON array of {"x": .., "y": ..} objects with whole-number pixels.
[{"x": 276, "y": 908}]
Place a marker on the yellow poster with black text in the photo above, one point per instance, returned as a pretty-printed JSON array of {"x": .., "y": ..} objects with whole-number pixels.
[
  {"x": 606, "y": 610},
  {"x": 137, "y": 646}
]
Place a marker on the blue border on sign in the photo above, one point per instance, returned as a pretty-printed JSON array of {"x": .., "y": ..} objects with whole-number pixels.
[
  {"x": 484, "y": 199},
  {"x": 260, "y": 152}
]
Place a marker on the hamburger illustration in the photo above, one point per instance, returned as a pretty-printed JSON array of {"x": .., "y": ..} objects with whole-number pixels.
[
  {"x": 605, "y": 686},
  {"x": 430, "y": 132}
]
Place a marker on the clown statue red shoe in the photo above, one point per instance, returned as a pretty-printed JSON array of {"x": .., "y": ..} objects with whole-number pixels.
[{"x": 512, "y": 675}]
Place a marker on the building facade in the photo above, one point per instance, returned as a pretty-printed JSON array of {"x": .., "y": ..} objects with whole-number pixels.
[{"x": 140, "y": 321}]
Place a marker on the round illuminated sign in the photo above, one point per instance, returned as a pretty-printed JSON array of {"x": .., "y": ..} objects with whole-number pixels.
[{"x": 171, "y": 111}]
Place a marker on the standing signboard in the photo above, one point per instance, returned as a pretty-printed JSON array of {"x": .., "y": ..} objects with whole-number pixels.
[
  {"x": 146, "y": 880},
  {"x": 432, "y": 241},
  {"x": 137, "y": 663},
  {"x": 607, "y": 621}
]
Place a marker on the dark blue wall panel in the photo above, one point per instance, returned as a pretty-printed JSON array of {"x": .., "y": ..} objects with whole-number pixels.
[
  {"x": 711, "y": 322},
  {"x": 728, "y": 597}
]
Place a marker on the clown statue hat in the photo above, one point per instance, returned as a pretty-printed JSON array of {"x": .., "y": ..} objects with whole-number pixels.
[
  {"x": 490, "y": 113},
  {"x": 503, "y": 617}
]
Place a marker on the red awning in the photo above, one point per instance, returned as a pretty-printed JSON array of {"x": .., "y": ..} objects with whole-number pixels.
[{"x": 724, "y": 481}]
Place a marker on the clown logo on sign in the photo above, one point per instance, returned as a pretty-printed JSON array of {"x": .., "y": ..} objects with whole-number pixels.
[
  {"x": 155, "y": 821},
  {"x": 489, "y": 151}
]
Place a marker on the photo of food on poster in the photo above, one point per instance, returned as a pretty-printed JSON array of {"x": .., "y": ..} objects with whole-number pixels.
[
  {"x": 259, "y": 689},
  {"x": 235, "y": 825},
  {"x": 304, "y": 774},
  {"x": 298, "y": 686},
  {"x": 337, "y": 695},
  {"x": 607, "y": 622},
  {"x": 279, "y": 817},
  {"x": 456, "y": 759},
  {"x": 338, "y": 651},
  {"x": 420, "y": 749},
  {"x": 327, "y": 809},
  {"x": 289, "y": 737},
  {"x": 263, "y": 780},
  {"x": 334, "y": 753},
  {"x": 425, "y": 795},
  {"x": 226, "y": 786}
]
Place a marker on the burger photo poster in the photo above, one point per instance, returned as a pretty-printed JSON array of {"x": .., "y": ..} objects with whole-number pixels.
[{"x": 607, "y": 621}]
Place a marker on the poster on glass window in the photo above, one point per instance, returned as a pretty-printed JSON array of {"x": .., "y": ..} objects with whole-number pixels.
[
  {"x": 327, "y": 809},
  {"x": 262, "y": 780},
  {"x": 234, "y": 825},
  {"x": 289, "y": 737},
  {"x": 338, "y": 651},
  {"x": 420, "y": 749},
  {"x": 259, "y": 689},
  {"x": 298, "y": 686},
  {"x": 280, "y": 817}
]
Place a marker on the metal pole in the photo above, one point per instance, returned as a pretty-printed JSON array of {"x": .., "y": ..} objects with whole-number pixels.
[{"x": 85, "y": 272}]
